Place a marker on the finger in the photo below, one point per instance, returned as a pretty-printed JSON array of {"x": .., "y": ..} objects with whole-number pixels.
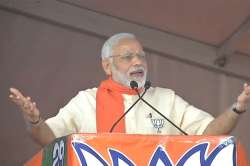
[
  {"x": 28, "y": 98},
  {"x": 247, "y": 92},
  {"x": 26, "y": 105},
  {"x": 16, "y": 93},
  {"x": 32, "y": 106},
  {"x": 13, "y": 95},
  {"x": 31, "y": 111},
  {"x": 19, "y": 99},
  {"x": 23, "y": 102},
  {"x": 16, "y": 99},
  {"x": 246, "y": 86},
  {"x": 13, "y": 98}
]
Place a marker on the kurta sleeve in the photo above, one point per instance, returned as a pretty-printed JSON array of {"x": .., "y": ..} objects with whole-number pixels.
[{"x": 194, "y": 121}]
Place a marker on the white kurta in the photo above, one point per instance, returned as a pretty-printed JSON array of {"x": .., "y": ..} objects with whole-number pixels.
[{"x": 79, "y": 115}]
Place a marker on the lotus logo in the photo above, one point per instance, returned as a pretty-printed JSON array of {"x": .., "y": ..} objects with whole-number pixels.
[
  {"x": 158, "y": 124},
  {"x": 195, "y": 156}
]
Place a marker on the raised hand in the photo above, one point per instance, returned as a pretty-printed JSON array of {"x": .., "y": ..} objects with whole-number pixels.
[
  {"x": 27, "y": 106},
  {"x": 244, "y": 97}
]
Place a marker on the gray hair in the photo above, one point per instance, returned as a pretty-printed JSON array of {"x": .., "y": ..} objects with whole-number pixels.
[{"x": 112, "y": 41}]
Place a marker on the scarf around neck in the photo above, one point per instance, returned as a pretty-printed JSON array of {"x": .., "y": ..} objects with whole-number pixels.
[{"x": 110, "y": 105}]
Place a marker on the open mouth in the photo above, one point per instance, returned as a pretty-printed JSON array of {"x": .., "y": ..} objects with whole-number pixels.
[{"x": 137, "y": 73}]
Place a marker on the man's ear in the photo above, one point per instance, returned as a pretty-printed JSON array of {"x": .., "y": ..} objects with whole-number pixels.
[{"x": 106, "y": 65}]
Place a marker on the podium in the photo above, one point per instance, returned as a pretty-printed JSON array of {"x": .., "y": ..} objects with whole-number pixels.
[{"x": 141, "y": 150}]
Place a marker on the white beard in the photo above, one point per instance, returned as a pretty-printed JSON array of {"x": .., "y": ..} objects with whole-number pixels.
[{"x": 125, "y": 79}]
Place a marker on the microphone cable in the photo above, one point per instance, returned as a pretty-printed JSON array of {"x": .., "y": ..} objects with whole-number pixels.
[
  {"x": 133, "y": 85},
  {"x": 148, "y": 85}
]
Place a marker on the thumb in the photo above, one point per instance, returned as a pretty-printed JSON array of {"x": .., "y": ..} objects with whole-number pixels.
[{"x": 245, "y": 85}]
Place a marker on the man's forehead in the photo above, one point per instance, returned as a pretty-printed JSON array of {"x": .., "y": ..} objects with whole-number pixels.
[{"x": 127, "y": 45}]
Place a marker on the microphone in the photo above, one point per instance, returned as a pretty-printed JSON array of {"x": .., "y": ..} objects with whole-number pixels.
[
  {"x": 147, "y": 86},
  {"x": 133, "y": 85}
]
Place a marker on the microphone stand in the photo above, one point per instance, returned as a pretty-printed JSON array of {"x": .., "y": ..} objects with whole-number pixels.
[{"x": 112, "y": 128}]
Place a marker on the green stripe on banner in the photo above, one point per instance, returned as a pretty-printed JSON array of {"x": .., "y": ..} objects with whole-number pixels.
[{"x": 55, "y": 153}]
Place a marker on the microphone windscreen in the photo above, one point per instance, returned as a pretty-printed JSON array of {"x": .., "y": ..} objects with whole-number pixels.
[
  {"x": 133, "y": 84},
  {"x": 147, "y": 85}
]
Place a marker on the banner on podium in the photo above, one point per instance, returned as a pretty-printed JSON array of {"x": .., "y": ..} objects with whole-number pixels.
[{"x": 140, "y": 150}]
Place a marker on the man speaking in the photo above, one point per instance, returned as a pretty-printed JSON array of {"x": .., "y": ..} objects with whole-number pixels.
[{"x": 115, "y": 105}]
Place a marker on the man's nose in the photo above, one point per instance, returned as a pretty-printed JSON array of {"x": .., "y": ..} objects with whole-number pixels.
[{"x": 138, "y": 60}]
